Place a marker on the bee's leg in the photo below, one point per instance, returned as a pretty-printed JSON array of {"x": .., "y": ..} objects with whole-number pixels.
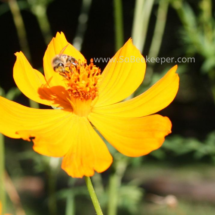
[
  {"x": 72, "y": 60},
  {"x": 59, "y": 69},
  {"x": 65, "y": 74}
]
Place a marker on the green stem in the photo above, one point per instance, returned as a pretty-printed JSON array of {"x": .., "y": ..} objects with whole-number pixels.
[
  {"x": 138, "y": 18},
  {"x": 34, "y": 104},
  {"x": 159, "y": 28},
  {"x": 51, "y": 177},
  {"x": 142, "y": 15},
  {"x": 20, "y": 27},
  {"x": 113, "y": 197},
  {"x": 2, "y": 165},
  {"x": 82, "y": 24},
  {"x": 147, "y": 11},
  {"x": 93, "y": 196},
  {"x": 97, "y": 181},
  {"x": 19, "y": 24},
  {"x": 118, "y": 18},
  {"x": 158, "y": 34},
  {"x": 70, "y": 206},
  {"x": 115, "y": 182},
  {"x": 52, "y": 200},
  {"x": 41, "y": 14}
]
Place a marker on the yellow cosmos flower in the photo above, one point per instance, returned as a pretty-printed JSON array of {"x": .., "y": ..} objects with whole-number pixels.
[{"x": 88, "y": 100}]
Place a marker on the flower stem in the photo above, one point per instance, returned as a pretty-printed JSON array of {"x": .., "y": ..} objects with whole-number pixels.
[
  {"x": 70, "y": 205},
  {"x": 118, "y": 18},
  {"x": 93, "y": 196},
  {"x": 158, "y": 34},
  {"x": 113, "y": 197},
  {"x": 43, "y": 21},
  {"x": 52, "y": 204},
  {"x": 82, "y": 24},
  {"x": 159, "y": 28},
  {"x": 138, "y": 18},
  {"x": 115, "y": 182},
  {"x": 97, "y": 181},
  {"x": 2, "y": 188},
  {"x": 51, "y": 178},
  {"x": 20, "y": 27},
  {"x": 34, "y": 104},
  {"x": 142, "y": 15}
]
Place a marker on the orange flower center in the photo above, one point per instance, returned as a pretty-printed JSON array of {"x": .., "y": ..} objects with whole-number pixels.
[{"x": 82, "y": 84}]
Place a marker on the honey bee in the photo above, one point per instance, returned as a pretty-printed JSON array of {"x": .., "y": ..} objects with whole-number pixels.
[{"x": 62, "y": 63}]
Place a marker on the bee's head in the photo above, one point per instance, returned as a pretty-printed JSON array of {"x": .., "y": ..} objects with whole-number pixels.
[{"x": 58, "y": 63}]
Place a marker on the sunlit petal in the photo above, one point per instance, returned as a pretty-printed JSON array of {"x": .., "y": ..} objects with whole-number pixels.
[
  {"x": 57, "y": 133},
  {"x": 48, "y": 127},
  {"x": 54, "y": 48},
  {"x": 87, "y": 153},
  {"x": 133, "y": 136},
  {"x": 86, "y": 99},
  {"x": 122, "y": 76},
  {"x": 159, "y": 96},
  {"x": 29, "y": 80}
]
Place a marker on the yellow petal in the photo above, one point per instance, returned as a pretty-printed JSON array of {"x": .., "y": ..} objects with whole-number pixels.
[
  {"x": 156, "y": 98},
  {"x": 122, "y": 76},
  {"x": 29, "y": 80},
  {"x": 54, "y": 48},
  {"x": 87, "y": 153},
  {"x": 133, "y": 136},
  {"x": 57, "y": 133},
  {"x": 50, "y": 128}
]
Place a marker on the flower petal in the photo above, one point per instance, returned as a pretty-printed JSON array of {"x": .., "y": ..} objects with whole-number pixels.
[
  {"x": 88, "y": 151},
  {"x": 54, "y": 48},
  {"x": 122, "y": 76},
  {"x": 133, "y": 136},
  {"x": 57, "y": 133},
  {"x": 29, "y": 80},
  {"x": 156, "y": 98},
  {"x": 48, "y": 127}
]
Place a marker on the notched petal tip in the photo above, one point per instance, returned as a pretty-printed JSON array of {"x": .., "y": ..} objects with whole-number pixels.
[
  {"x": 17, "y": 53},
  {"x": 86, "y": 169},
  {"x": 60, "y": 36},
  {"x": 56, "y": 47},
  {"x": 20, "y": 56}
]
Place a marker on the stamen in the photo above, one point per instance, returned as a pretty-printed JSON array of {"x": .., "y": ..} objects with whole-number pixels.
[{"x": 82, "y": 80}]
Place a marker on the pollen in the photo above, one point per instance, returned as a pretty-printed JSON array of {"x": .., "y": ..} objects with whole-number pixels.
[{"x": 82, "y": 80}]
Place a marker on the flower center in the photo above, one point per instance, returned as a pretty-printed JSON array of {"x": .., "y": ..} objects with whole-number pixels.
[{"x": 82, "y": 84}]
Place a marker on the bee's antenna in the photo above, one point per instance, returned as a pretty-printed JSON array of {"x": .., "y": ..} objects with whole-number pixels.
[{"x": 62, "y": 51}]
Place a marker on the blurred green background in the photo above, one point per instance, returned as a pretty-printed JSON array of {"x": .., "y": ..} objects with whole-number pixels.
[{"x": 177, "y": 179}]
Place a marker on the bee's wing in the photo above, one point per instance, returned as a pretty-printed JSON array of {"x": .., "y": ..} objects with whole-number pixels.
[{"x": 62, "y": 51}]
